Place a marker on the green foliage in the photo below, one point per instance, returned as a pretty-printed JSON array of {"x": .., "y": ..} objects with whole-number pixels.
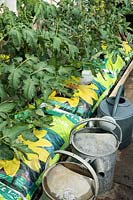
[
  {"x": 7, "y": 107},
  {"x": 16, "y": 38},
  {"x": 46, "y": 45},
  {"x": 14, "y": 78},
  {"x": 43, "y": 41},
  {"x": 29, "y": 89},
  {"x": 13, "y": 125}
]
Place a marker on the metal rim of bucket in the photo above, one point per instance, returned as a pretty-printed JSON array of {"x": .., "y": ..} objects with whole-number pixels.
[
  {"x": 84, "y": 162},
  {"x": 73, "y": 132},
  {"x": 80, "y": 151}
]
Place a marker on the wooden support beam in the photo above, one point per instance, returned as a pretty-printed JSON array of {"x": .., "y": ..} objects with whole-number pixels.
[{"x": 123, "y": 79}]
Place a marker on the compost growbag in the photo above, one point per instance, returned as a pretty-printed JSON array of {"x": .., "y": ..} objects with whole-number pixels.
[
  {"x": 81, "y": 102},
  {"x": 86, "y": 98},
  {"x": 19, "y": 180}
]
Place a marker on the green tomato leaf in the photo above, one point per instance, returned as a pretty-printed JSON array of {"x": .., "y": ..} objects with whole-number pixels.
[
  {"x": 15, "y": 131},
  {"x": 16, "y": 37},
  {"x": 28, "y": 135},
  {"x": 2, "y": 92},
  {"x": 18, "y": 155},
  {"x": 126, "y": 2},
  {"x": 53, "y": 10},
  {"x": 3, "y": 115},
  {"x": 39, "y": 10},
  {"x": 65, "y": 70},
  {"x": 43, "y": 66},
  {"x": 56, "y": 43},
  {"x": 14, "y": 78},
  {"x": 30, "y": 37},
  {"x": 73, "y": 50},
  {"x": 40, "y": 112},
  {"x": 3, "y": 125},
  {"x": 29, "y": 89},
  {"x": 21, "y": 150},
  {"x": 18, "y": 59},
  {"x": 5, "y": 152},
  {"x": 7, "y": 107},
  {"x": 46, "y": 93}
]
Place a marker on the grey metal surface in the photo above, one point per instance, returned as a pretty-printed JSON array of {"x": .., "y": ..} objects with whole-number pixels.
[
  {"x": 123, "y": 190},
  {"x": 124, "y": 108},
  {"x": 108, "y": 159},
  {"x": 123, "y": 116},
  {"x": 47, "y": 196}
]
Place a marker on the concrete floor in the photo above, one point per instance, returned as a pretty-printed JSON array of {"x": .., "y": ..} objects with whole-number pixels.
[{"x": 123, "y": 179}]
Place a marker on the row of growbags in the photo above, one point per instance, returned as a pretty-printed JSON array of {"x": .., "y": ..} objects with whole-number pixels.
[
  {"x": 19, "y": 180},
  {"x": 85, "y": 98}
]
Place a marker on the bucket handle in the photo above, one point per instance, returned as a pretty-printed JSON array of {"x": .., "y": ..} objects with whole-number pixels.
[
  {"x": 119, "y": 138},
  {"x": 84, "y": 162}
]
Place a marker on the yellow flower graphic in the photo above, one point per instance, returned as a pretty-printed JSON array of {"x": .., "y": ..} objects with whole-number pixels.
[
  {"x": 39, "y": 133},
  {"x": 12, "y": 166},
  {"x": 105, "y": 80},
  {"x": 73, "y": 101},
  {"x": 86, "y": 92},
  {"x": 113, "y": 67}
]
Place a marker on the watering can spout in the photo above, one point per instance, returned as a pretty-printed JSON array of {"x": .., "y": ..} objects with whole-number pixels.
[{"x": 98, "y": 165}]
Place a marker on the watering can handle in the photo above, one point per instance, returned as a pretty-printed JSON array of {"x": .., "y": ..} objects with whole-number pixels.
[
  {"x": 84, "y": 162},
  {"x": 117, "y": 99},
  {"x": 73, "y": 130}
]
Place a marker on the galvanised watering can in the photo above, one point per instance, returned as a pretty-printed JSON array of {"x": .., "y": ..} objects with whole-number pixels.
[
  {"x": 95, "y": 141},
  {"x": 62, "y": 180}
]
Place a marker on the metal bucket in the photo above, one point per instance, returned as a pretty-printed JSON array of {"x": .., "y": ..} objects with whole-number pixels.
[
  {"x": 98, "y": 147},
  {"x": 83, "y": 168}
]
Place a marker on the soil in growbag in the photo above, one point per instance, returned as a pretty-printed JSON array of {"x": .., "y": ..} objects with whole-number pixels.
[{"x": 20, "y": 180}]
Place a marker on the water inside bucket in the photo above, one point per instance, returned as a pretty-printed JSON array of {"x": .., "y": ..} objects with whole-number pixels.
[
  {"x": 95, "y": 144},
  {"x": 65, "y": 184}
]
